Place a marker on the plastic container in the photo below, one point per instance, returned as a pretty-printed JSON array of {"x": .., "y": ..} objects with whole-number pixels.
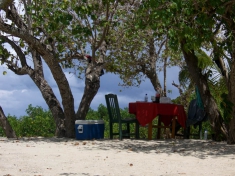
[
  {"x": 165, "y": 100},
  {"x": 89, "y": 129},
  {"x": 146, "y": 98},
  {"x": 205, "y": 135}
]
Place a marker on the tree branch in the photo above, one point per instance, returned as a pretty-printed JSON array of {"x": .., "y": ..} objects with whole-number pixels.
[
  {"x": 17, "y": 50},
  {"x": 13, "y": 15},
  {"x": 178, "y": 87},
  {"x": 4, "y": 4}
]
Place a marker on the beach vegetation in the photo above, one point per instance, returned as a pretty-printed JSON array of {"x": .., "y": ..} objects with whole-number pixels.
[{"x": 39, "y": 122}]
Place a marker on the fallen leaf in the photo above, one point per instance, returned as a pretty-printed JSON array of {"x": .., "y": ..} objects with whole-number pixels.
[{"x": 76, "y": 143}]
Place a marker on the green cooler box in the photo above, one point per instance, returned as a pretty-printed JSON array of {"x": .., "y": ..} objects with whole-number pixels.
[{"x": 89, "y": 129}]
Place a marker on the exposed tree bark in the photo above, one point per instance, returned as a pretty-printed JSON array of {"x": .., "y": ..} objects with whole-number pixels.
[
  {"x": 90, "y": 90},
  {"x": 182, "y": 96},
  {"x": 164, "y": 76},
  {"x": 92, "y": 83},
  {"x": 228, "y": 20},
  {"x": 208, "y": 100},
  {"x": 38, "y": 77},
  {"x": 5, "y": 3},
  {"x": 178, "y": 87},
  {"x": 10, "y": 133},
  {"x": 231, "y": 95},
  {"x": 149, "y": 68}
]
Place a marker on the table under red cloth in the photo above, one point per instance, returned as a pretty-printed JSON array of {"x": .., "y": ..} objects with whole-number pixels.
[{"x": 146, "y": 111}]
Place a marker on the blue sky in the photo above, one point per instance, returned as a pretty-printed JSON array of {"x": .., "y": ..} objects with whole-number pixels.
[{"x": 17, "y": 92}]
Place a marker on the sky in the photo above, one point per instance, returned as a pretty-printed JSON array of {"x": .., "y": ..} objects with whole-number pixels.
[{"x": 17, "y": 92}]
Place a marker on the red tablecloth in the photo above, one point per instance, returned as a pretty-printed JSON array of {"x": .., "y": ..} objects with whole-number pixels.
[{"x": 145, "y": 112}]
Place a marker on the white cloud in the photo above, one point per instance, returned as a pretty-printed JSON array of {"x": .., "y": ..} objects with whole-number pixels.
[
  {"x": 5, "y": 93},
  {"x": 24, "y": 90}
]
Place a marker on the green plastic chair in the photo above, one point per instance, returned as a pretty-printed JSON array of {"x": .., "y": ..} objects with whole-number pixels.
[{"x": 115, "y": 117}]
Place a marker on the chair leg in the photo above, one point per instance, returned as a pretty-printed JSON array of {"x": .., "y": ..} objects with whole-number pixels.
[
  {"x": 200, "y": 130},
  {"x": 111, "y": 130},
  {"x": 120, "y": 131},
  {"x": 159, "y": 129},
  {"x": 137, "y": 131},
  {"x": 128, "y": 131},
  {"x": 173, "y": 128},
  {"x": 186, "y": 132},
  {"x": 150, "y": 131}
]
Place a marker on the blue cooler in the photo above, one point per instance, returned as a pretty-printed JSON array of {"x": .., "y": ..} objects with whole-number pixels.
[{"x": 89, "y": 129}]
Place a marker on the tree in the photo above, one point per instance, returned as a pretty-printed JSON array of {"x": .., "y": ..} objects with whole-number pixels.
[
  {"x": 37, "y": 75},
  {"x": 202, "y": 24},
  {"x": 86, "y": 27},
  {"x": 138, "y": 52},
  {"x": 24, "y": 39},
  {"x": 59, "y": 33},
  {"x": 10, "y": 133}
]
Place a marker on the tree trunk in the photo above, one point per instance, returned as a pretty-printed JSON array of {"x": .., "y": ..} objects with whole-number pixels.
[
  {"x": 149, "y": 68},
  {"x": 10, "y": 133},
  {"x": 66, "y": 95},
  {"x": 5, "y": 3},
  {"x": 90, "y": 90},
  {"x": 92, "y": 82},
  {"x": 164, "y": 73},
  {"x": 52, "y": 103},
  {"x": 38, "y": 77},
  {"x": 231, "y": 138},
  {"x": 208, "y": 101},
  {"x": 231, "y": 134}
]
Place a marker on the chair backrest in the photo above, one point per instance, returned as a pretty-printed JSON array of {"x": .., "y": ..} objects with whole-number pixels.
[{"x": 113, "y": 107}]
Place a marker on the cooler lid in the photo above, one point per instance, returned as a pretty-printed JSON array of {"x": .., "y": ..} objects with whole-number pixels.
[{"x": 89, "y": 122}]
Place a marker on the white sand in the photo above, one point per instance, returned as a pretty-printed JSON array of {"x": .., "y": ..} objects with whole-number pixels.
[{"x": 67, "y": 157}]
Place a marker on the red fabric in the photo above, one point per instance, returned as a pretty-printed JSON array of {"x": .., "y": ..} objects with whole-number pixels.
[
  {"x": 88, "y": 56},
  {"x": 145, "y": 112}
]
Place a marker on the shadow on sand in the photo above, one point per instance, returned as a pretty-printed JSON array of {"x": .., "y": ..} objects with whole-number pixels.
[{"x": 184, "y": 147}]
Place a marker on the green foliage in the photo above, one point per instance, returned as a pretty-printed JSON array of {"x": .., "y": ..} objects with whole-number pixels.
[
  {"x": 38, "y": 122},
  {"x": 194, "y": 130},
  {"x": 37, "y": 126},
  {"x": 227, "y": 108},
  {"x": 14, "y": 123}
]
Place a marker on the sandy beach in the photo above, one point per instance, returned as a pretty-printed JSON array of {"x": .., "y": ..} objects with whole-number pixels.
[{"x": 68, "y": 157}]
